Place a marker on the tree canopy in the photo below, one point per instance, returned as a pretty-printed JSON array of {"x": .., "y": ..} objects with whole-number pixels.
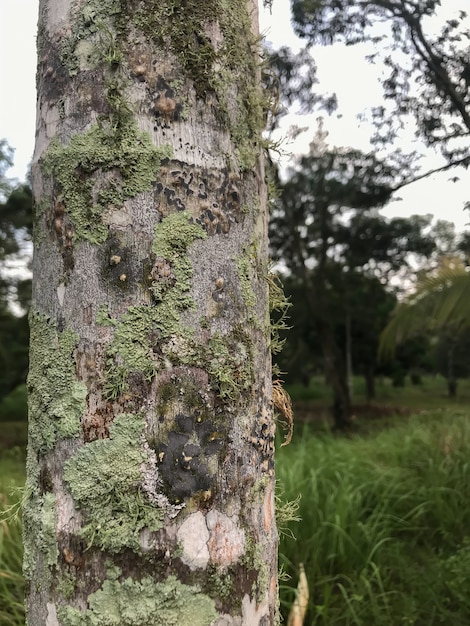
[
  {"x": 426, "y": 53},
  {"x": 15, "y": 283}
]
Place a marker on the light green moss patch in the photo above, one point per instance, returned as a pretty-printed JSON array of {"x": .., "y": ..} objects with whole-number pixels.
[
  {"x": 105, "y": 480},
  {"x": 244, "y": 275},
  {"x": 143, "y": 328},
  {"x": 229, "y": 361},
  {"x": 39, "y": 520},
  {"x": 142, "y": 603},
  {"x": 99, "y": 169},
  {"x": 66, "y": 585},
  {"x": 56, "y": 398}
]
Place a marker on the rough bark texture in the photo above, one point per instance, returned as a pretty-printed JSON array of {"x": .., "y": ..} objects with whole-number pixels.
[{"x": 150, "y": 490}]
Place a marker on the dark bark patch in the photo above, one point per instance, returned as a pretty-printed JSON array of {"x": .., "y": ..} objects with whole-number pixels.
[
  {"x": 53, "y": 78},
  {"x": 215, "y": 199}
]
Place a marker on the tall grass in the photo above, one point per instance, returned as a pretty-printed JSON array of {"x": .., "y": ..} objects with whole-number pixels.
[
  {"x": 385, "y": 532},
  {"x": 11, "y": 553}
]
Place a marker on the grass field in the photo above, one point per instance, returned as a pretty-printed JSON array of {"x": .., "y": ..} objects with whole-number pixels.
[
  {"x": 384, "y": 533},
  {"x": 12, "y": 463},
  {"x": 431, "y": 393}
]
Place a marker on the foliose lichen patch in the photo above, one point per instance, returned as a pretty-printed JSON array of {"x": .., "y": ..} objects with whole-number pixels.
[
  {"x": 106, "y": 480},
  {"x": 39, "y": 520},
  {"x": 99, "y": 169},
  {"x": 142, "y": 602},
  {"x": 56, "y": 398}
]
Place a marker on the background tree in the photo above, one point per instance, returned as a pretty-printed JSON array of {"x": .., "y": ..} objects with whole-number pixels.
[
  {"x": 327, "y": 233},
  {"x": 428, "y": 65},
  {"x": 150, "y": 489},
  {"x": 440, "y": 305},
  {"x": 451, "y": 355},
  {"x": 15, "y": 285},
  {"x": 368, "y": 305},
  {"x": 312, "y": 204}
]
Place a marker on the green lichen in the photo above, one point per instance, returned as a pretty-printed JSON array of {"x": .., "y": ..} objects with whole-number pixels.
[
  {"x": 100, "y": 169},
  {"x": 66, "y": 585},
  {"x": 94, "y": 39},
  {"x": 105, "y": 479},
  {"x": 244, "y": 266},
  {"x": 142, "y": 603},
  {"x": 103, "y": 318},
  {"x": 39, "y": 521},
  {"x": 148, "y": 338},
  {"x": 56, "y": 398},
  {"x": 254, "y": 559},
  {"x": 229, "y": 361},
  {"x": 173, "y": 236},
  {"x": 221, "y": 585},
  {"x": 130, "y": 350},
  {"x": 142, "y": 328}
]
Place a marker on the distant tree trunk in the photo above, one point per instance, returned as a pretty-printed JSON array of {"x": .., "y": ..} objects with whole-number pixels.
[
  {"x": 451, "y": 378},
  {"x": 150, "y": 488},
  {"x": 336, "y": 374},
  {"x": 349, "y": 365},
  {"x": 369, "y": 377}
]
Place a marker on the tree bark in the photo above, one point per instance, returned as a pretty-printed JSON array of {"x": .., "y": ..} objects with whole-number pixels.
[{"x": 150, "y": 486}]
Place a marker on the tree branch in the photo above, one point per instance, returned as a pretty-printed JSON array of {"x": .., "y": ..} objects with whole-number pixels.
[{"x": 464, "y": 162}]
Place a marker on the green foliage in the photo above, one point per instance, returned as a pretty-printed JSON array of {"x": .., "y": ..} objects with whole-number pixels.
[
  {"x": 440, "y": 299},
  {"x": 14, "y": 341},
  {"x": 6, "y": 161},
  {"x": 14, "y": 434},
  {"x": 384, "y": 530},
  {"x": 14, "y": 406},
  {"x": 431, "y": 394},
  {"x": 339, "y": 252},
  {"x": 15, "y": 288}
]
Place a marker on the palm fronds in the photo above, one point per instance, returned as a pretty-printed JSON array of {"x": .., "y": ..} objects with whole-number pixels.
[{"x": 439, "y": 300}]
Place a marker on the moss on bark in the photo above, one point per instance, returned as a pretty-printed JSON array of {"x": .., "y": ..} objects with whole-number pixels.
[{"x": 142, "y": 602}]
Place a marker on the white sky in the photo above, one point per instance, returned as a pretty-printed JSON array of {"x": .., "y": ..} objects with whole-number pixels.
[{"x": 340, "y": 70}]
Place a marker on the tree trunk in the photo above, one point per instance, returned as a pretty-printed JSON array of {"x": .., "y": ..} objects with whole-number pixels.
[
  {"x": 336, "y": 374},
  {"x": 370, "y": 383},
  {"x": 150, "y": 488},
  {"x": 451, "y": 378}
]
